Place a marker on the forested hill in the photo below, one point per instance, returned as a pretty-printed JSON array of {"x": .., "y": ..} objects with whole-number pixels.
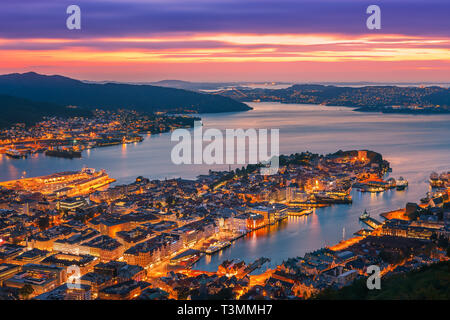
[
  {"x": 14, "y": 110},
  {"x": 367, "y": 98},
  {"x": 430, "y": 283},
  {"x": 146, "y": 98}
]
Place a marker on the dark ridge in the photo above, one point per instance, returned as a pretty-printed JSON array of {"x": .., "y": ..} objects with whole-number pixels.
[
  {"x": 146, "y": 98},
  {"x": 19, "y": 110}
]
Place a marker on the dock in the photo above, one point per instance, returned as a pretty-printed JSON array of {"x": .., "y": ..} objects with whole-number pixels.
[
  {"x": 371, "y": 222},
  {"x": 255, "y": 265}
]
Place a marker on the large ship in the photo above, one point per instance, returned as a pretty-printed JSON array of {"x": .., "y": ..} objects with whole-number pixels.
[
  {"x": 217, "y": 246},
  {"x": 13, "y": 153},
  {"x": 332, "y": 197},
  {"x": 299, "y": 211},
  {"x": 402, "y": 183},
  {"x": 371, "y": 189},
  {"x": 63, "y": 153},
  {"x": 132, "y": 138}
]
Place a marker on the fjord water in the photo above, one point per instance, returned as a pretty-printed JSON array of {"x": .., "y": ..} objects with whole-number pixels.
[{"x": 415, "y": 145}]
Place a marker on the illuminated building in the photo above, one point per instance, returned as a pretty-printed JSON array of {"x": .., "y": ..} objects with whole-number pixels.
[
  {"x": 255, "y": 221},
  {"x": 9, "y": 251},
  {"x": 41, "y": 278},
  {"x": 7, "y": 271},
  {"x": 123, "y": 291},
  {"x": 71, "y": 203},
  {"x": 31, "y": 256},
  {"x": 85, "y": 263}
]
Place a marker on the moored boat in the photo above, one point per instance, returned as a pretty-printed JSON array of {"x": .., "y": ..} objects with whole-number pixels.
[
  {"x": 13, "y": 153},
  {"x": 217, "y": 247},
  {"x": 365, "y": 215},
  {"x": 402, "y": 183},
  {"x": 63, "y": 153},
  {"x": 371, "y": 189}
]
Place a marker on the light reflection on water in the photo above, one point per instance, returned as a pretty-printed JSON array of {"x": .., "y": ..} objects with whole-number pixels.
[{"x": 414, "y": 145}]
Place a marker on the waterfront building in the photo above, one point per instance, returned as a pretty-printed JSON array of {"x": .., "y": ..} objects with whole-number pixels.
[
  {"x": 401, "y": 228},
  {"x": 239, "y": 223},
  {"x": 255, "y": 221}
]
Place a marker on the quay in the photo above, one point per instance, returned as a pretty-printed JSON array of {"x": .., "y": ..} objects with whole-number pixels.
[{"x": 371, "y": 222}]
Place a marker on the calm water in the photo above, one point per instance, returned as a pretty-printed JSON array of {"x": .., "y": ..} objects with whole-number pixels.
[{"x": 414, "y": 145}]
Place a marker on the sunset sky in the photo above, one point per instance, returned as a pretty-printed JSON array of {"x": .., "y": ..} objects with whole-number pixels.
[{"x": 228, "y": 40}]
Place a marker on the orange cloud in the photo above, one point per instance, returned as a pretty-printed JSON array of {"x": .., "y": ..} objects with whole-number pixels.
[{"x": 158, "y": 56}]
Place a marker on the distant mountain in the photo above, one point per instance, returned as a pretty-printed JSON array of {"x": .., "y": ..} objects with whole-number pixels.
[
  {"x": 194, "y": 86},
  {"x": 148, "y": 98},
  {"x": 180, "y": 84},
  {"x": 368, "y": 97},
  {"x": 14, "y": 110}
]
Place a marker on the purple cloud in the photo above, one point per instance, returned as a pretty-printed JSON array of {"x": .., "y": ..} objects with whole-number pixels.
[{"x": 111, "y": 18}]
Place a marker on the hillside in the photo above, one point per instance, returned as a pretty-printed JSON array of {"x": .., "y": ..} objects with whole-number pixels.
[
  {"x": 368, "y": 98},
  {"x": 428, "y": 283},
  {"x": 147, "y": 98},
  {"x": 14, "y": 110}
]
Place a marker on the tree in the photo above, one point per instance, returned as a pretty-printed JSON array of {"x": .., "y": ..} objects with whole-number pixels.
[
  {"x": 182, "y": 293},
  {"x": 442, "y": 242},
  {"x": 433, "y": 236},
  {"x": 245, "y": 176},
  {"x": 43, "y": 223},
  {"x": 26, "y": 291},
  {"x": 224, "y": 294},
  {"x": 171, "y": 201}
]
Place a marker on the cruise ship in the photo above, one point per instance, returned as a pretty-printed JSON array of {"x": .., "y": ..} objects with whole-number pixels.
[
  {"x": 402, "y": 183},
  {"x": 217, "y": 247},
  {"x": 63, "y": 153}
]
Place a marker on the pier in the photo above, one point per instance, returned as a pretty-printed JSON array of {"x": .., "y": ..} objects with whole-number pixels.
[
  {"x": 371, "y": 222},
  {"x": 255, "y": 265}
]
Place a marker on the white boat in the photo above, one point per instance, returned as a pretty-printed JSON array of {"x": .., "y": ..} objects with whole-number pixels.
[
  {"x": 402, "y": 183},
  {"x": 365, "y": 215},
  {"x": 13, "y": 153},
  {"x": 217, "y": 246}
]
